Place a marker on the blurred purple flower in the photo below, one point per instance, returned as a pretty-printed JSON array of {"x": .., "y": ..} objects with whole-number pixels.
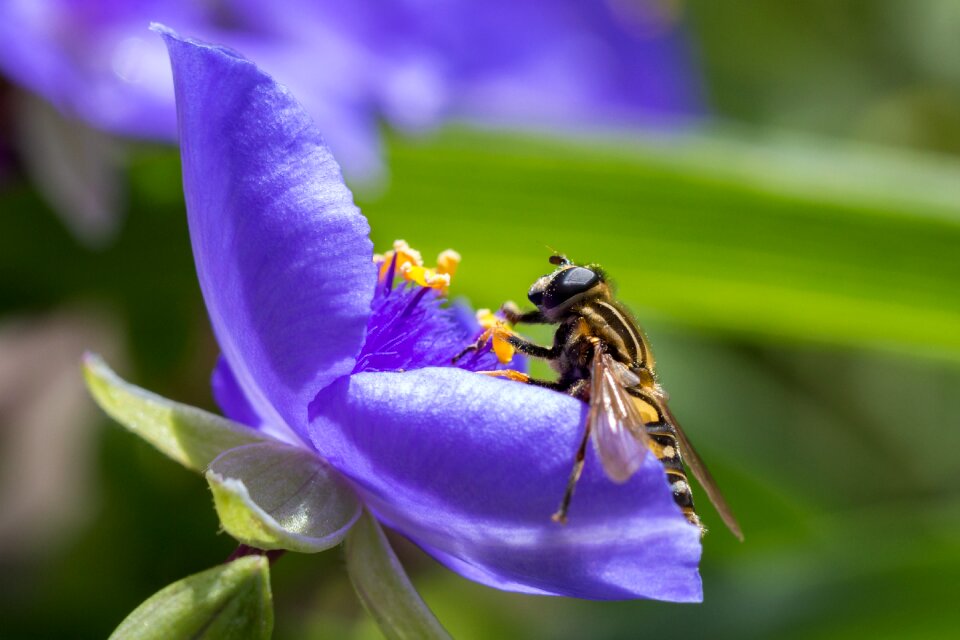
[
  {"x": 96, "y": 62},
  {"x": 518, "y": 62},
  {"x": 320, "y": 352}
]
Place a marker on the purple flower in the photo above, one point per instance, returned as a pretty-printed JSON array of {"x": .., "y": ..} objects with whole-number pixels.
[
  {"x": 565, "y": 63},
  {"x": 95, "y": 61},
  {"x": 411, "y": 62},
  {"x": 322, "y": 349}
]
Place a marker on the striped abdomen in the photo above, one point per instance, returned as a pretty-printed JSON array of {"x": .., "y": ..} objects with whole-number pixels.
[
  {"x": 664, "y": 444},
  {"x": 612, "y": 323}
]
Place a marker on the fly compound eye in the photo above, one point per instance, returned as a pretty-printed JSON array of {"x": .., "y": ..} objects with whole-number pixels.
[
  {"x": 568, "y": 284},
  {"x": 535, "y": 296},
  {"x": 537, "y": 288},
  {"x": 573, "y": 281}
]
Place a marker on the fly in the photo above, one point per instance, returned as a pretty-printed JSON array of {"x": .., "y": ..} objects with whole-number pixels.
[{"x": 602, "y": 357}]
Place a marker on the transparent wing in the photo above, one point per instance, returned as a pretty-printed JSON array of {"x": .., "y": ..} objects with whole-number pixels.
[
  {"x": 615, "y": 423},
  {"x": 702, "y": 474}
]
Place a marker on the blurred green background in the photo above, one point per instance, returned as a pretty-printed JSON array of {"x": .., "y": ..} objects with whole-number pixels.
[{"x": 797, "y": 266}]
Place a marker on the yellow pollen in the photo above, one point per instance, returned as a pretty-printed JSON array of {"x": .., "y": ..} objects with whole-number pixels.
[
  {"x": 497, "y": 331},
  {"x": 486, "y": 318},
  {"x": 509, "y": 374},
  {"x": 425, "y": 277},
  {"x": 401, "y": 247},
  {"x": 404, "y": 255},
  {"x": 447, "y": 262},
  {"x": 409, "y": 265}
]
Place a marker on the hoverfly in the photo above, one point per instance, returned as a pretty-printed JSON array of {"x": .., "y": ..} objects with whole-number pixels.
[{"x": 603, "y": 357}]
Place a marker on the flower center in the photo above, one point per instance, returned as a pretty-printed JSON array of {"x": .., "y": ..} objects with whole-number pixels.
[
  {"x": 412, "y": 326},
  {"x": 408, "y": 263}
]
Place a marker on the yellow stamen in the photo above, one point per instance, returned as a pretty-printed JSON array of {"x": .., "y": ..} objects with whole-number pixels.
[
  {"x": 447, "y": 262},
  {"x": 401, "y": 247},
  {"x": 409, "y": 264},
  {"x": 499, "y": 333},
  {"x": 404, "y": 255},
  {"x": 425, "y": 277},
  {"x": 486, "y": 318},
  {"x": 509, "y": 374}
]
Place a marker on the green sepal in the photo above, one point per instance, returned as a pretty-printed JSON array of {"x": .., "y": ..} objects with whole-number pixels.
[
  {"x": 232, "y": 600},
  {"x": 191, "y": 436},
  {"x": 383, "y": 585},
  {"x": 275, "y": 496}
]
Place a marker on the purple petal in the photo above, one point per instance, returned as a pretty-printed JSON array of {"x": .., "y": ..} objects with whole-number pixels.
[
  {"x": 471, "y": 468},
  {"x": 282, "y": 253},
  {"x": 95, "y": 60},
  {"x": 411, "y": 328},
  {"x": 235, "y": 405},
  {"x": 229, "y": 396},
  {"x": 580, "y": 63}
]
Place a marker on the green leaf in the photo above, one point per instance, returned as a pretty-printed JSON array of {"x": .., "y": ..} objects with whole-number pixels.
[
  {"x": 384, "y": 587},
  {"x": 274, "y": 496},
  {"x": 230, "y": 601},
  {"x": 755, "y": 235},
  {"x": 189, "y": 435}
]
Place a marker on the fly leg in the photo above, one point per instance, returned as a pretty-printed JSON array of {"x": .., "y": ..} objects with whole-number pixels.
[
  {"x": 577, "y": 389},
  {"x": 529, "y": 348},
  {"x": 519, "y": 376},
  {"x": 512, "y": 314},
  {"x": 476, "y": 346},
  {"x": 497, "y": 330},
  {"x": 520, "y": 344},
  {"x": 532, "y": 349},
  {"x": 561, "y": 515},
  {"x": 537, "y": 351}
]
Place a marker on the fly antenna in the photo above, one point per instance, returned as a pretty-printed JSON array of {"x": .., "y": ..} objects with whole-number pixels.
[{"x": 558, "y": 259}]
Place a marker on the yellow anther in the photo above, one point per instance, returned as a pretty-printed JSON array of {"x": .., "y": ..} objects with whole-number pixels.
[
  {"x": 486, "y": 318},
  {"x": 440, "y": 280},
  {"x": 425, "y": 277},
  {"x": 402, "y": 248},
  {"x": 403, "y": 254},
  {"x": 497, "y": 331},
  {"x": 504, "y": 350},
  {"x": 408, "y": 263},
  {"x": 447, "y": 262}
]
